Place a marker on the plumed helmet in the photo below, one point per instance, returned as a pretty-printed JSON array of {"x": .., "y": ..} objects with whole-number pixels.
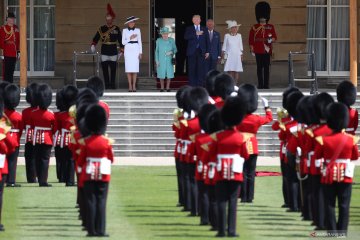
[
  {"x": 321, "y": 102},
  {"x": 262, "y": 10},
  {"x": 249, "y": 93},
  {"x": 292, "y": 100},
  {"x": 233, "y": 111},
  {"x": 44, "y": 96},
  {"x": 95, "y": 119},
  {"x": 70, "y": 93},
  {"x": 224, "y": 85},
  {"x": 339, "y": 119},
  {"x": 210, "y": 81},
  {"x": 11, "y": 96},
  {"x": 96, "y": 84},
  {"x": 31, "y": 90},
  {"x": 203, "y": 115},
  {"x": 346, "y": 93}
]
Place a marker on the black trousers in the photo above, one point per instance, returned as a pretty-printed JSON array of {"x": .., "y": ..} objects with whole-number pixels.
[
  {"x": 2, "y": 183},
  {"x": 12, "y": 164},
  {"x": 82, "y": 206},
  {"x": 263, "y": 70},
  {"x": 193, "y": 188},
  {"x": 285, "y": 192},
  {"x": 59, "y": 164},
  {"x": 213, "y": 211},
  {"x": 227, "y": 192},
  {"x": 95, "y": 198},
  {"x": 307, "y": 204},
  {"x": 204, "y": 204},
  {"x": 248, "y": 185},
  {"x": 9, "y": 68},
  {"x": 109, "y": 79},
  {"x": 42, "y": 154},
  {"x": 186, "y": 186},
  {"x": 179, "y": 182},
  {"x": 68, "y": 166},
  {"x": 318, "y": 201},
  {"x": 342, "y": 192},
  {"x": 293, "y": 183},
  {"x": 30, "y": 163}
]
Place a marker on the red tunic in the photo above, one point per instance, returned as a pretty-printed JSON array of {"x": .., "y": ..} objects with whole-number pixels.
[
  {"x": 338, "y": 151},
  {"x": 15, "y": 119},
  {"x": 43, "y": 123},
  {"x": 64, "y": 123},
  {"x": 201, "y": 167},
  {"x": 178, "y": 116},
  {"x": 353, "y": 121},
  {"x": 9, "y": 40},
  {"x": 230, "y": 152},
  {"x": 282, "y": 135},
  {"x": 251, "y": 124},
  {"x": 26, "y": 118},
  {"x": 3, "y": 152},
  {"x": 220, "y": 103},
  {"x": 215, "y": 99},
  {"x": 192, "y": 130},
  {"x": 106, "y": 108},
  {"x": 258, "y": 37},
  {"x": 210, "y": 165},
  {"x": 96, "y": 156}
]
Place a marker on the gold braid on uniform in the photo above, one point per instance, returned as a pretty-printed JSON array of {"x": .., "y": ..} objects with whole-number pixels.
[
  {"x": 105, "y": 37},
  {"x": 257, "y": 30},
  {"x": 9, "y": 33}
]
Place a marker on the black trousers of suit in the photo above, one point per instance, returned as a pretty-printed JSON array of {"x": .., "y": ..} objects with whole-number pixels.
[
  {"x": 204, "y": 203},
  {"x": 68, "y": 166},
  {"x": 213, "y": 211},
  {"x": 283, "y": 167},
  {"x": 109, "y": 79},
  {"x": 192, "y": 189},
  {"x": 12, "y": 164},
  {"x": 9, "y": 68},
  {"x": 248, "y": 185},
  {"x": 211, "y": 64},
  {"x": 196, "y": 68},
  {"x": 179, "y": 182},
  {"x": 342, "y": 192},
  {"x": 263, "y": 70},
  {"x": 227, "y": 192},
  {"x": 30, "y": 163},
  {"x": 42, "y": 154},
  {"x": 59, "y": 164},
  {"x": 293, "y": 183},
  {"x": 96, "y": 196},
  {"x": 317, "y": 201}
]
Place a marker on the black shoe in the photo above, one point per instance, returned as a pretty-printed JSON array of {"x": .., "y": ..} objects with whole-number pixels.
[
  {"x": 185, "y": 210},
  {"x": 292, "y": 210},
  {"x": 2, "y": 228},
  {"x": 284, "y": 206},
  {"x": 192, "y": 215},
  {"x": 243, "y": 201},
  {"x": 234, "y": 235},
  {"x": 103, "y": 235},
  {"x": 249, "y": 201},
  {"x": 219, "y": 235},
  {"x": 179, "y": 205},
  {"x": 204, "y": 223},
  {"x": 70, "y": 185},
  {"x": 162, "y": 90},
  {"x": 168, "y": 90},
  {"x": 91, "y": 235},
  {"x": 213, "y": 229},
  {"x": 320, "y": 228},
  {"x": 45, "y": 185}
]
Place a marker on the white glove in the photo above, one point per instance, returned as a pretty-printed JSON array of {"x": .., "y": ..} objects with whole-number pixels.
[
  {"x": 93, "y": 49},
  {"x": 265, "y": 102},
  {"x": 298, "y": 151},
  {"x": 169, "y": 53},
  {"x": 119, "y": 56},
  {"x": 269, "y": 40},
  {"x": 18, "y": 55}
]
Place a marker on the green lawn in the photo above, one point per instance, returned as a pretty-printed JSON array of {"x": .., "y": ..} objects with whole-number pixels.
[{"x": 141, "y": 205}]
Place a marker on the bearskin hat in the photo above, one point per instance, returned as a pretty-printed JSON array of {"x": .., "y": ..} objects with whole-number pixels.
[
  {"x": 31, "y": 90},
  {"x": 233, "y": 111},
  {"x": 95, "y": 119},
  {"x": 86, "y": 95},
  {"x": 286, "y": 93},
  {"x": 198, "y": 97},
  {"x": 224, "y": 85},
  {"x": 180, "y": 96},
  {"x": 1, "y": 107},
  {"x": 210, "y": 81},
  {"x": 59, "y": 100},
  {"x": 80, "y": 119},
  {"x": 346, "y": 93},
  {"x": 3, "y": 85},
  {"x": 249, "y": 93},
  {"x": 339, "y": 119},
  {"x": 203, "y": 115},
  {"x": 303, "y": 111},
  {"x": 291, "y": 101},
  {"x": 70, "y": 93},
  {"x": 44, "y": 96},
  {"x": 215, "y": 122},
  {"x": 321, "y": 102},
  {"x": 262, "y": 10},
  {"x": 311, "y": 113},
  {"x": 11, "y": 96},
  {"x": 97, "y": 85}
]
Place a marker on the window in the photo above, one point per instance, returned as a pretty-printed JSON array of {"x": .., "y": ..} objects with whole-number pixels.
[
  {"x": 40, "y": 35},
  {"x": 328, "y": 35}
]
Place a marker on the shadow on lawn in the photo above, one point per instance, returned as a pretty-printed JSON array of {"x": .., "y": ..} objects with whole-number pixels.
[
  {"x": 182, "y": 236},
  {"x": 151, "y": 211}
]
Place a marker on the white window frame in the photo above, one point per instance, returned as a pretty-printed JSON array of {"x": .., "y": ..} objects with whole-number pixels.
[
  {"x": 31, "y": 39},
  {"x": 329, "y": 39}
]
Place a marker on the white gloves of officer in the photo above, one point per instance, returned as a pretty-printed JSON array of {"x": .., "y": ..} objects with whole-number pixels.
[
  {"x": 93, "y": 49},
  {"x": 265, "y": 102}
]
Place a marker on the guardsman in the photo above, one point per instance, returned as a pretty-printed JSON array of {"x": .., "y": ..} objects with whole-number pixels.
[
  {"x": 43, "y": 123},
  {"x": 110, "y": 36},
  {"x": 95, "y": 159},
  {"x": 224, "y": 86},
  {"x": 59, "y": 102},
  {"x": 9, "y": 43},
  {"x": 337, "y": 151},
  {"x": 261, "y": 38},
  {"x": 346, "y": 94},
  {"x": 251, "y": 124},
  {"x": 229, "y": 154},
  {"x": 97, "y": 85},
  {"x": 210, "y": 86},
  {"x": 11, "y": 101},
  {"x": 31, "y": 91}
]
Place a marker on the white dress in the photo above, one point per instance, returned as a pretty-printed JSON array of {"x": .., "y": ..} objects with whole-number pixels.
[
  {"x": 233, "y": 47},
  {"x": 132, "y": 49}
]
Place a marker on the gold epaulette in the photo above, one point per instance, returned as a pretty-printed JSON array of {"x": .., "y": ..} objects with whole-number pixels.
[
  {"x": 176, "y": 124},
  {"x": 81, "y": 141},
  {"x": 2, "y": 136},
  {"x": 72, "y": 111},
  {"x": 355, "y": 138},
  {"x": 282, "y": 126},
  {"x": 111, "y": 140},
  {"x": 320, "y": 140},
  {"x": 214, "y": 136},
  {"x": 205, "y": 147},
  {"x": 310, "y": 132},
  {"x": 247, "y": 136},
  {"x": 78, "y": 152},
  {"x": 73, "y": 128},
  {"x": 192, "y": 137},
  {"x": 184, "y": 122}
]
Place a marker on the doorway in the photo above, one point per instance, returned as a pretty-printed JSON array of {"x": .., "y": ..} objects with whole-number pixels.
[{"x": 176, "y": 15}]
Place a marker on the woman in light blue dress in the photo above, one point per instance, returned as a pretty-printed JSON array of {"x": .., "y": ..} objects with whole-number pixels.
[{"x": 164, "y": 53}]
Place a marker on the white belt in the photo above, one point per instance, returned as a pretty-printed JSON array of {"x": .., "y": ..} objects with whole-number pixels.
[
  {"x": 105, "y": 165},
  {"x": 36, "y": 129},
  {"x": 63, "y": 132},
  {"x": 237, "y": 162},
  {"x": 349, "y": 129},
  {"x": 27, "y": 127},
  {"x": 340, "y": 160},
  {"x": 185, "y": 144},
  {"x": 14, "y": 130},
  {"x": 94, "y": 160}
]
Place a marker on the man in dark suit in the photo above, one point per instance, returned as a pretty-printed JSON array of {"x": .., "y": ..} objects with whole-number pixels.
[
  {"x": 215, "y": 46},
  {"x": 197, "y": 51}
]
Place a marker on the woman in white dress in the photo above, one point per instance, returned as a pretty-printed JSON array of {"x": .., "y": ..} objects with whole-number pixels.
[
  {"x": 131, "y": 39},
  {"x": 233, "y": 50}
]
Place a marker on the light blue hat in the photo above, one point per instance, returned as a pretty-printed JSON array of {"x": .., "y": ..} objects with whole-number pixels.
[{"x": 164, "y": 30}]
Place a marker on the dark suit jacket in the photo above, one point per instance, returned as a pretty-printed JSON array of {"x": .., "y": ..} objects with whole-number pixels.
[
  {"x": 215, "y": 45},
  {"x": 193, "y": 41}
]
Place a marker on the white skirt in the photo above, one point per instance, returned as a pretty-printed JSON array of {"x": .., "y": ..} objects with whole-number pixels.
[
  {"x": 233, "y": 62},
  {"x": 131, "y": 55}
]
